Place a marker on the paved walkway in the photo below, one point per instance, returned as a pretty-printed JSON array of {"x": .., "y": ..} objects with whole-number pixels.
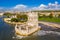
[{"x": 50, "y": 24}]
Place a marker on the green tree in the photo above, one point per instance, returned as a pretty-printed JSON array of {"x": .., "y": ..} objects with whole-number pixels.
[
  {"x": 50, "y": 16},
  {"x": 14, "y": 20},
  {"x": 59, "y": 16},
  {"x": 7, "y": 14},
  {"x": 22, "y": 17},
  {"x": 18, "y": 15}
]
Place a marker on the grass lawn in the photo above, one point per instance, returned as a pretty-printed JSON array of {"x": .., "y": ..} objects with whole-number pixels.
[{"x": 55, "y": 20}]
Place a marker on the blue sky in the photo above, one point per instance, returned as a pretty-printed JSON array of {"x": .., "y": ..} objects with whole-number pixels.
[
  {"x": 23, "y": 5},
  {"x": 11, "y": 3}
]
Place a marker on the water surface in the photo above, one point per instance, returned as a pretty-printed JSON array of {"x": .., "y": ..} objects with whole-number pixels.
[{"x": 46, "y": 33}]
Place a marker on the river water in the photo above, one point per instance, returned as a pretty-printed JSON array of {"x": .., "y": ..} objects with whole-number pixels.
[{"x": 46, "y": 32}]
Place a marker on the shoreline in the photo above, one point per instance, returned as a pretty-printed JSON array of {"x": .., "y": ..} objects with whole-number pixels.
[
  {"x": 6, "y": 20},
  {"x": 54, "y": 25},
  {"x": 45, "y": 23},
  {"x": 27, "y": 34},
  {"x": 17, "y": 31}
]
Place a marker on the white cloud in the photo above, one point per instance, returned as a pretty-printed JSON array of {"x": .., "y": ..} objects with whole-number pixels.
[
  {"x": 56, "y": 2},
  {"x": 42, "y": 6},
  {"x": 34, "y": 8},
  {"x": 54, "y": 6},
  {"x": 20, "y": 6},
  {"x": 50, "y": 6}
]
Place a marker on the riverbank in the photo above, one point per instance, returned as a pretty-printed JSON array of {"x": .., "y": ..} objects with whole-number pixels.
[
  {"x": 45, "y": 23},
  {"x": 7, "y": 20},
  {"x": 19, "y": 32},
  {"x": 55, "y": 25}
]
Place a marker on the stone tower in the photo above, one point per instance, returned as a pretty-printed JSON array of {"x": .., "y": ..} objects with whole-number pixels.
[
  {"x": 30, "y": 26},
  {"x": 33, "y": 19}
]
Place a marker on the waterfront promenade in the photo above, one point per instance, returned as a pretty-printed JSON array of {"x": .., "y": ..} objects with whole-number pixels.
[{"x": 54, "y": 25}]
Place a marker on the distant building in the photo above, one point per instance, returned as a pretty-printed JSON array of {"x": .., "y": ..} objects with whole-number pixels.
[{"x": 48, "y": 12}]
